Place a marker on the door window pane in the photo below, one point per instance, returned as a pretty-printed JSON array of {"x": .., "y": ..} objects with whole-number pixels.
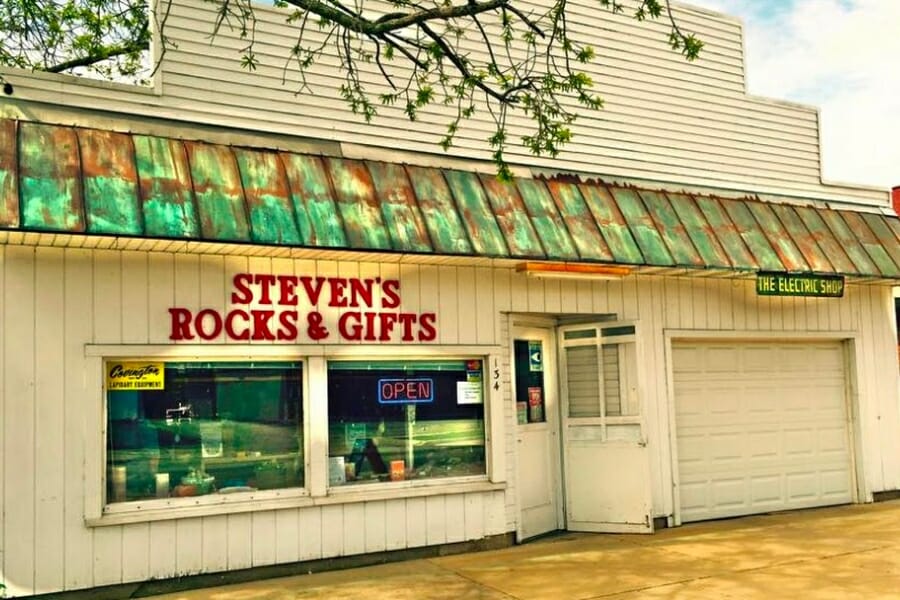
[
  {"x": 529, "y": 370},
  {"x": 583, "y": 382},
  {"x": 206, "y": 428},
  {"x": 602, "y": 380},
  {"x": 401, "y": 420}
]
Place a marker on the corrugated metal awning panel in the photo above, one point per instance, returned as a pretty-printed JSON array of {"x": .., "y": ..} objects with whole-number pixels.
[
  {"x": 73, "y": 180},
  {"x": 315, "y": 208},
  {"x": 164, "y": 185},
  {"x": 547, "y": 221},
  {"x": 50, "y": 189},
  {"x": 270, "y": 207},
  {"x": 579, "y": 221},
  {"x": 9, "y": 183}
]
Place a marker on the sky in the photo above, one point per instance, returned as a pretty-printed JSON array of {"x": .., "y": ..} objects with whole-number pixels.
[{"x": 842, "y": 56}]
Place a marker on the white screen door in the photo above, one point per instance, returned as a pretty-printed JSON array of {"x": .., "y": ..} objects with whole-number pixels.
[
  {"x": 606, "y": 461},
  {"x": 537, "y": 432}
]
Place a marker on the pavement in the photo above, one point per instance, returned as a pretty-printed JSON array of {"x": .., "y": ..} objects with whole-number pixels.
[{"x": 841, "y": 552}]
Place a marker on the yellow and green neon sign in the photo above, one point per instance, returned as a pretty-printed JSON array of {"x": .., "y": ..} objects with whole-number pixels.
[{"x": 786, "y": 284}]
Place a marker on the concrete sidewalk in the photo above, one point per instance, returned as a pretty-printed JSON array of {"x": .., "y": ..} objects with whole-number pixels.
[{"x": 842, "y": 552}]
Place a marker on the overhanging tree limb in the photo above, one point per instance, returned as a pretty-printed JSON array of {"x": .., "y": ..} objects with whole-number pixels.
[
  {"x": 101, "y": 54},
  {"x": 423, "y": 53},
  {"x": 393, "y": 21}
]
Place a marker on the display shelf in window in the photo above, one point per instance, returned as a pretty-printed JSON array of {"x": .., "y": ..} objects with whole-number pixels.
[
  {"x": 405, "y": 420},
  {"x": 200, "y": 428}
]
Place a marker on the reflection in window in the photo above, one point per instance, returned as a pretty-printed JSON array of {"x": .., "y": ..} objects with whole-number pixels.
[
  {"x": 394, "y": 421},
  {"x": 213, "y": 427}
]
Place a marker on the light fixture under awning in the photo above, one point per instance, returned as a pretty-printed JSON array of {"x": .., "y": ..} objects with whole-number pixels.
[{"x": 572, "y": 270}]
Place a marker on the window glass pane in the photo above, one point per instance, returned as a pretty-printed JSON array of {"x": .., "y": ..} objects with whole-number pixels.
[
  {"x": 580, "y": 334},
  {"x": 629, "y": 405},
  {"x": 582, "y": 381},
  {"x": 398, "y": 420},
  {"x": 609, "y": 332},
  {"x": 208, "y": 427},
  {"x": 612, "y": 383},
  {"x": 619, "y": 363}
]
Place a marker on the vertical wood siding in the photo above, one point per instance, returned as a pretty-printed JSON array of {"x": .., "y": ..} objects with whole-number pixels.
[
  {"x": 54, "y": 301},
  {"x": 663, "y": 118}
]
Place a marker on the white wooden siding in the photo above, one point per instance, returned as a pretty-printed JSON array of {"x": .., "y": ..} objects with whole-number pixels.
[
  {"x": 54, "y": 301},
  {"x": 664, "y": 119}
]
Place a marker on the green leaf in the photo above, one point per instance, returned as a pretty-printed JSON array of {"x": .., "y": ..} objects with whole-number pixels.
[{"x": 249, "y": 61}]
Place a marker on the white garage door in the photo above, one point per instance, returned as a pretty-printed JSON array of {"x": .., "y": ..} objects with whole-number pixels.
[{"x": 760, "y": 427}]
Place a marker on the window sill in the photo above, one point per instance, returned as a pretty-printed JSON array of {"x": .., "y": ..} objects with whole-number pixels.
[
  {"x": 407, "y": 489},
  {"x": 198, "y": 506},
  {"x": 182, "y": 508}
]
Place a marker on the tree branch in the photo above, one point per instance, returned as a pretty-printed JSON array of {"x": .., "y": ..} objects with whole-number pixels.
[
  {"x": 454, "y": 58},
  {"x": 100, "y": 55},
  {"x": 395, "y": 21}
]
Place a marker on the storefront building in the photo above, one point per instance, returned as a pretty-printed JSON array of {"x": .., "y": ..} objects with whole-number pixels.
[{"x": 223, "y": 350}]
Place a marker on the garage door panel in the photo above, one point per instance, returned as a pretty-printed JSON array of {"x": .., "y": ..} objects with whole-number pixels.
[
  {"x": 694, "y": 496},
  {"x": 729, "y": 492},
  {"x": 760, "y": 427},
  {"x": 833, "y": 440},
  {"x": 757, "y": 359},
  {"x": 828, "y": 360},
  {"x": 725, "y": 405},
  {"x": 725, "y": 447},
  {"x": 796, "y": 359},
  {"x": 720, "y": 362},
  {"x": 691, "y": 448},
  {"x": 698, "y": 398},
  {"x": 802, "y": 486},
  {"x": 763, "y": 445},
  {"x": 800, "y": 443},
  {"x": 830, "y": 402},
  {"x": 766, "y": 490},
  {"x": 799, "y": 403},
  {"x": 834, "y": 484}
]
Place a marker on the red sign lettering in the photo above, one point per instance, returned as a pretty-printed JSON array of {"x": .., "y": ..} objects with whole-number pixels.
[
  {"x": 373, "y": 321},
  {"x": 405, "y": 391}
]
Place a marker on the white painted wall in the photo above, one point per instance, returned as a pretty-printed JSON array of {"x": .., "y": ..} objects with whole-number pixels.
[
  {"x": 55, "y": 301},
  {"x": 664, "y": 120}
]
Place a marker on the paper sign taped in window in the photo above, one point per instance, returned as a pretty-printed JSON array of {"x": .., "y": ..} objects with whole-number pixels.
[
  {"x": 469, "y": 392},
  {"x": 135, "y": 376}
]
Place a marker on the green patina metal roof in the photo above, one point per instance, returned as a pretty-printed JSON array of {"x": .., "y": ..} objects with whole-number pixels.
[{"x": 75, "y": 180}]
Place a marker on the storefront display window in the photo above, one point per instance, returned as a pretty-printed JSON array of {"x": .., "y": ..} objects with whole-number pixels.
[
  {"x": 198, "y": 428},
  {"x": 405, "y": 420}
]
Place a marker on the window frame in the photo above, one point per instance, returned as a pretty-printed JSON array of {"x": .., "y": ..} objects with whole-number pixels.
[
  {"x": 316, "y": 491},
  {"x": 341, "y": 490},
  {"x": 599, "y": 341},
  {"x": 157, "y": 505}
]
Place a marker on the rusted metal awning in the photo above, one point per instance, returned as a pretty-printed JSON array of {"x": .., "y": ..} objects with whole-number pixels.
[{"x": 75, "y": 180}]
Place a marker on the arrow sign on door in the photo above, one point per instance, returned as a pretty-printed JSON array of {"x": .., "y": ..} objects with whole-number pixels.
[{"x": 535, "y": 356}]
